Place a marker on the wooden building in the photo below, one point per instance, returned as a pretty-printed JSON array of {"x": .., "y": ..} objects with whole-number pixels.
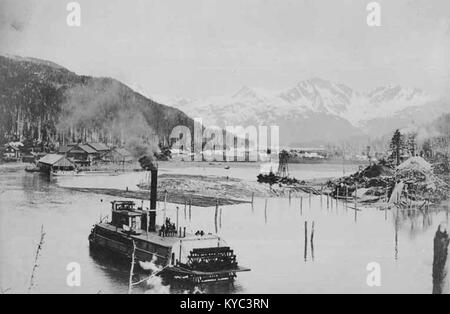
[
  {"x": 118, "y": 156},
  {"x": 53, "y": 162},
  {"x": 100, "y": 148},
  {"x": 12, "y": 152},
  {"x": 81, "y": 154}
]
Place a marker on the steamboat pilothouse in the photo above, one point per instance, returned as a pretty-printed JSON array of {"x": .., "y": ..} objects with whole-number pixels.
[{"x": 132, "y": 233}]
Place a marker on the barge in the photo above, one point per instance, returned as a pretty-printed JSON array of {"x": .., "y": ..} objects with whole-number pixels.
[{"x": 132, "y": 233}]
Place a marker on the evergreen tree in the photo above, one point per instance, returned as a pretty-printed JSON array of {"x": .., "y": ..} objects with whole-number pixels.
[
  {"x": 411, "y": 144},
  {"x": 396, "y": 146}
]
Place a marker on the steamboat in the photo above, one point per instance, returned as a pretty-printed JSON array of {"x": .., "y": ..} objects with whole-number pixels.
[{"x": 132, "y": 233}]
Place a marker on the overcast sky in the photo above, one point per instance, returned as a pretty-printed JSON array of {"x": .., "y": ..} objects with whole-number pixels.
[{"x": 198, "y": 48}]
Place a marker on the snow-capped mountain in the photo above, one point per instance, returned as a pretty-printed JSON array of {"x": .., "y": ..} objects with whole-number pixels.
[{"x": 317, "y": 110}]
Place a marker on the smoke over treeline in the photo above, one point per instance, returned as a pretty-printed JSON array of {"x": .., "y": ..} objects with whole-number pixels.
[
  {"x": 437, "y": 132},
  {"x": 46, "y": 103},
  {"x": 104, "y": 110}
]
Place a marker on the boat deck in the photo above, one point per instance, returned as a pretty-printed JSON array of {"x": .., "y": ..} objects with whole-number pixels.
[{"x": 154, "y": 237}]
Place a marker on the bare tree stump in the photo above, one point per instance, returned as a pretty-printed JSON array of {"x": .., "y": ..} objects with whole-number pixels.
[{"x": 441, "y": 243}]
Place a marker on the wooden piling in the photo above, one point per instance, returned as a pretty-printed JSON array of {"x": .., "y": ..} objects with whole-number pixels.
[
  {"x": 301, "y": 205},
  {"x": 337, "y": 198},
  {"x": 190, "y": 209},
  {"x": 306, "y": 241},
  {"x": 215, "y": 215},
  {"x": 130, "y": 280},
  {"x": 312, "y": 240},
  {"x": 441, "y": 243},
  {"x": 178, "y": 209},
  {"x": 265, "y": 212},
  {"x": 346, "y": 197},
  {"x": 310, "y": 196},
  {"x": 356, "y": 204}
]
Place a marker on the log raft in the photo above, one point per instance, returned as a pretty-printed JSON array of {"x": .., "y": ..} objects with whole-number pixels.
[{"x": 174, "y": 198}]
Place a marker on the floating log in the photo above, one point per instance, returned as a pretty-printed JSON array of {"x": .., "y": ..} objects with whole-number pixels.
[{"x": 195, "y": 199}]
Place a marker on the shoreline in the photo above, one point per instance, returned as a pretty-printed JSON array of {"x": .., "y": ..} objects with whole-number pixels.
[{"x": 204, "y": 189}]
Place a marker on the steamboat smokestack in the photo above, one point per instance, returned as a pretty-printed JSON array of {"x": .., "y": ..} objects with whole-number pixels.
[
  {"x": 148, "y": 163},
  {"x": 153, "y": 199}
]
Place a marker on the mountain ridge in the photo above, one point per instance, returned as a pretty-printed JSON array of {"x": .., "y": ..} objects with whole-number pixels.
[{"x": 371, "y": 113}]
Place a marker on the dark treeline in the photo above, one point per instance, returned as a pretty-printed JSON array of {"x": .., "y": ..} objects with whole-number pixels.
[{"x": 45, "y": 104}]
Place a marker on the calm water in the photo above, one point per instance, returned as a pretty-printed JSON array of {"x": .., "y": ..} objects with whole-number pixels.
[{"x": 271, "y": 242}]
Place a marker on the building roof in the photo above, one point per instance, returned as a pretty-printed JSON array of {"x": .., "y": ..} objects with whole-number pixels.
[
  {"x": 13, "y": 147},
  {"x": 100, "y": 147},
  {"x": 88, "y": 149},
  {"x": 50, "y": 159},
  {"x": 56, "y": 160},
  {"x": 64, "y": 149},
  {"x": 123, "y": 152}
]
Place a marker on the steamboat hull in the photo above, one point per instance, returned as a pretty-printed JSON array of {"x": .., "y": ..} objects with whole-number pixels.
[
  {"x": 151, "y": 248},
  {"x": 121, "y": 244}
]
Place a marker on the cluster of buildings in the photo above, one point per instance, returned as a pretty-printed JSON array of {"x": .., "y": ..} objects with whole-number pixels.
[
  {"x": 88, "y": 154},
  {"x": 83, "y": 156},
  {"x": 68, "y": 157}
]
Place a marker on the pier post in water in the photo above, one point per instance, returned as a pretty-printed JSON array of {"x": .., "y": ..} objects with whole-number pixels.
[
  {"x": 178, "y": 209},
  {"x": 301, "y": 205},
  {"x": 310, "y": 196},
  {"x": 321, "y": 197},
  {"x": 215, "y": 215},
  {"x": 306, "y": 241},
  {"x": 337, "y": 198},
  {"x": 440, "y": 262},
  {"x": 265, "y": 212},
  {"x": 346, "y": 197},
  {"x": 190, "y": 209},
  {"x": 312, "y": 240}
]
